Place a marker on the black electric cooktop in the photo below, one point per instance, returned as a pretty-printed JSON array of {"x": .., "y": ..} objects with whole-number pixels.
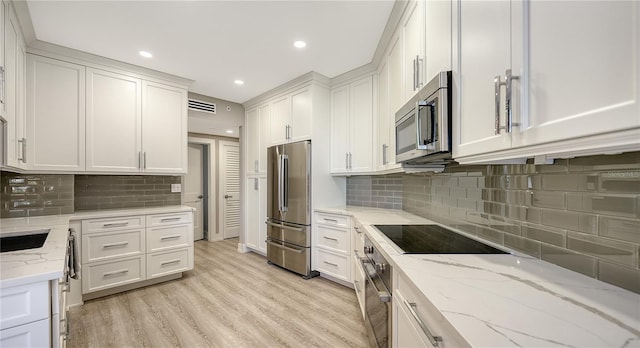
[{"x": 434, "y": 239}]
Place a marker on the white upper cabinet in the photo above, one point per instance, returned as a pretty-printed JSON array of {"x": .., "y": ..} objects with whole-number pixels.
[
  {"x": 164, "y": 128},
  {"x": 257, "y": 139},
  {"x": 351, "y": 126},
  {"x": 484, "y": 51},
  {"x": 437, "y": 38},
  {"x": 55, "y": 115},
  {"x": 114, "y": 106},
  {"x": 12, "y": 95},
  {"x": 413, "y": 47},
  {"x": 584, "y": 73},
  {"x": 382, "y": 151},
  {"x": 291, "y": 117},
  {"x": 530, "y": 83}
]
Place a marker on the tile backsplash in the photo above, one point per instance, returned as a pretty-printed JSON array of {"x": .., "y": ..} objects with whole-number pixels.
[
  {"x": 35, "y": 195},
  {"x": 582, "y": 214},
  {"x": 375, "y": 191},
  {"x": 99, "y": 192},
  {"x": 24, "y": 195}
]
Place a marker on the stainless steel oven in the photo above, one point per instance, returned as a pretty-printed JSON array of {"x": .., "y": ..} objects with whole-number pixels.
[
  {"x": 423, "y": 124},
  {"x": 377, "y": 299}
]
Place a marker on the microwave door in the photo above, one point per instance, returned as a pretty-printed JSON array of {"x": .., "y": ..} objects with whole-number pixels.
[{"x": 424, "y": 125}]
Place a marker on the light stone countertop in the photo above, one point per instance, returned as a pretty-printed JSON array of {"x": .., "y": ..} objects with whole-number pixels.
[
  {"x": 510, "y": 300},
  {"x": 47, "y": 262}
]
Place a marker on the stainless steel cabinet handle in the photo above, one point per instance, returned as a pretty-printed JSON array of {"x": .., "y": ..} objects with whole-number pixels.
[
  {"x": 255, "y": 183},
  {"x": 2, "y": 80},
  {"x": 415, "y": 83},
  {"x": 255, "y": 165},
  {"x": 384, "y": 153},
  {"x": 173, "y": 218},
  {"x": 299, "y": 229},
  {"x": 331, "y": 263},
  {"x": 116, "y": 224},
  {"x": 346, "y": 160},
  {"x": 330, "y": 238},
  {"x": 332, "y": 220},
  {"x": 140, "y": 160},
  {"x": 350, "y": 161},
  {"x": 357, "y": 229},
  {"x": 169, "y": 262},
  {"x": 497, "y": 83},
  {"x": 299, "y": 251},
  {"x": 113, "y": 245},
  {"x": 411, "y": 306},
  {"x": 418, "y": 82},
  {"x": 23, "y": 150},
  {"x": 122, "y": 271},
  {"x": 144, "y": 160},
  {"x": 228, "y": 196},
  {"x": 175, "y": 236},
  {"x": 508, "y": 107}
]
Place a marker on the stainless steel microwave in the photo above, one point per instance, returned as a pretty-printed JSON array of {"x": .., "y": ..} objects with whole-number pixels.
[{"x": 423, "y": 124}]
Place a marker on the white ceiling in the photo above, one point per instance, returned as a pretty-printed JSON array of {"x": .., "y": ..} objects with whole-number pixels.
[{"x": 217, "y": 42}]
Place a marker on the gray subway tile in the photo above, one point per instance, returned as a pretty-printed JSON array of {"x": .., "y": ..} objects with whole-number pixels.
[
  {"x": 624, "y": 277},
  {"x": 571, "y": 260},
  {"x": 602, "y": 248},
  {"x": 567, "y": 182},
  {"x": 544, "y": 234},
  {"x": 548, "y": 199},
  {"x": 618, "y": 205},
  {"x": 527, "y": 246},
  {"x": 621, "y": 229},
  {"x": 570, "y": 220},
  {"x": 629, "y": 160}
]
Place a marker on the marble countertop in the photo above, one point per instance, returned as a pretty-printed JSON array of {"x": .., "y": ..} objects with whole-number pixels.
[
  {"x": 47, "y": 262},
  {"x": 510, "y": 300}
]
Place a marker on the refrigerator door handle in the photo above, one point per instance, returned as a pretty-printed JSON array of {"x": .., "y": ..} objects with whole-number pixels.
[
  {"x": 295, "y": 250},
  {"x": 283, "y": 226},
  {"x": 283, "y": 181}
]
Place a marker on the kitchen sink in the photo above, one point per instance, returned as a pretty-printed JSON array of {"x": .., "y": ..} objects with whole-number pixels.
[{"x": 23, "y": 241}]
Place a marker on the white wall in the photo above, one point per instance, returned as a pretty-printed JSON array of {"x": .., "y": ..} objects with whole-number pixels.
[{"x": 229, "y": 116}]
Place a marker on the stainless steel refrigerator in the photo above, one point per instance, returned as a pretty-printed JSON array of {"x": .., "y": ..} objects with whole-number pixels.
[{"x": 289, "y": 207}]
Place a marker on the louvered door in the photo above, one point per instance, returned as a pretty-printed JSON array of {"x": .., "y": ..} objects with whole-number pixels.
[{"x": 229, "y": 156}]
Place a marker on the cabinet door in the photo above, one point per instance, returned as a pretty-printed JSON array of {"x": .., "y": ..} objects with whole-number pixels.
[
  {"x": 584, "y": 73},
  {"x": 262, "y": 208},
  {"x": 361, "y": 125},
  {"x": 13, "y": 93},
  {"x": 264, "y": 140},
  {"x": 301, "y": 113},
  {"x": 3, "y": 85},
  {"x": 413, "y": 40},
  {"x": 114, "y": 107},
  {"x": 55, "y": 115},
  {"x": 164, "y": 128},
  {"x": 280, "y": 120},
  {"x": 394, "y": 59},
  {"x": 256, "y": 213},
  {"x": 483, "y": 52},
  {"x": 340, "y": 129},
  {"x": 384, "y": 124},
  {"x": 252, "y": 143},
  {"x": 437, "y": 38}
]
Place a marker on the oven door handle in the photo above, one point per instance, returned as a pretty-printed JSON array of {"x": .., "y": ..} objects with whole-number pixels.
[{"x": 384, "y": 296}]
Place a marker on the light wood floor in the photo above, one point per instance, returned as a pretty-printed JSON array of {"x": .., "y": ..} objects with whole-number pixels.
[{"x": 229, "y": 300}]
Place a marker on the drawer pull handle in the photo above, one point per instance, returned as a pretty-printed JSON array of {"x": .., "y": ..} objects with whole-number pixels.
[
  {"x": 122, "y": 271},
  {"x": 329, "y": 238},
  {"x": 175, "y": 236},
  {"x": 332, "y": 220},
  {"x": 170, "y": 219},
  {"x": 113, "y": 245},
  {"x": 170, "y": 262},
  {"x": 411, "y": 306},
  {"x": 116, "y": 224},
  {"x": 331, "y": 263},
  {"x": 357, "y": 229}
]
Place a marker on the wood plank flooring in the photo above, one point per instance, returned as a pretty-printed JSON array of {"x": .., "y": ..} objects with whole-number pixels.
[{"x": 230, "y": 299}]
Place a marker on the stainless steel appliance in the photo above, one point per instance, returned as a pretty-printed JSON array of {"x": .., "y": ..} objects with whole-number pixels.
[
  {"x": 377, "y": 299},
  {"x": 289, "y": 207},
  {"x": 423, "y": 124},
  {"x": 434, "y": 239}
]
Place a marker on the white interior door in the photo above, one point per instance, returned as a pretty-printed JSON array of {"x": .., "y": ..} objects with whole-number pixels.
[
  {"x": 193, "y": 188},
  {"x": 229, "y": 184}
]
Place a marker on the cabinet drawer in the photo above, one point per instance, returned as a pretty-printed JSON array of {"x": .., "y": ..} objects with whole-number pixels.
[
  {"x": 169, "y": 219},
  {"x": 169, "y": 237},
  {"x": 34, "y": 334},
  {"x": 335, "y": 238},
  {"x": 333, "y": 220},
  {"x": 113, "y": 273},
  {"x": 164, "y": 263},
  {"x": 109, "y": 245},
  {"x": 23, "y": 304},
  {"x": 112, "y": 224},
  {"x": 333, "y": 264}
]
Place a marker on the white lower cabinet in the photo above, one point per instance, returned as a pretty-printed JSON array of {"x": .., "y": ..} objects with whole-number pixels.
[
  {"x": 255, "y": 216},
  {"x": 118, "y": 251},
  {"x": 34, "y": 334},
  {"x": 416, "y": 322},
  {"x": 332, "y": 240}
]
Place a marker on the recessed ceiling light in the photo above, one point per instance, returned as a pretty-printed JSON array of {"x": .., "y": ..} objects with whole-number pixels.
[
  {"x": 300, "y": 44},
  {"x": 238, "y": 82},
  {"x": 146, "y": 54},
  {"x": 229, "y": 131}
]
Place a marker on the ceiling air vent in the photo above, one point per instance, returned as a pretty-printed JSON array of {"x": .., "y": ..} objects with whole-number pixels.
[{"x": 199, "y": 105}]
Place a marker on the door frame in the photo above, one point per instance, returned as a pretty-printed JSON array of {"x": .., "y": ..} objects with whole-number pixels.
[
  {"x": 220, "y": 221},
  {"x": 211, "y": 185}
]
